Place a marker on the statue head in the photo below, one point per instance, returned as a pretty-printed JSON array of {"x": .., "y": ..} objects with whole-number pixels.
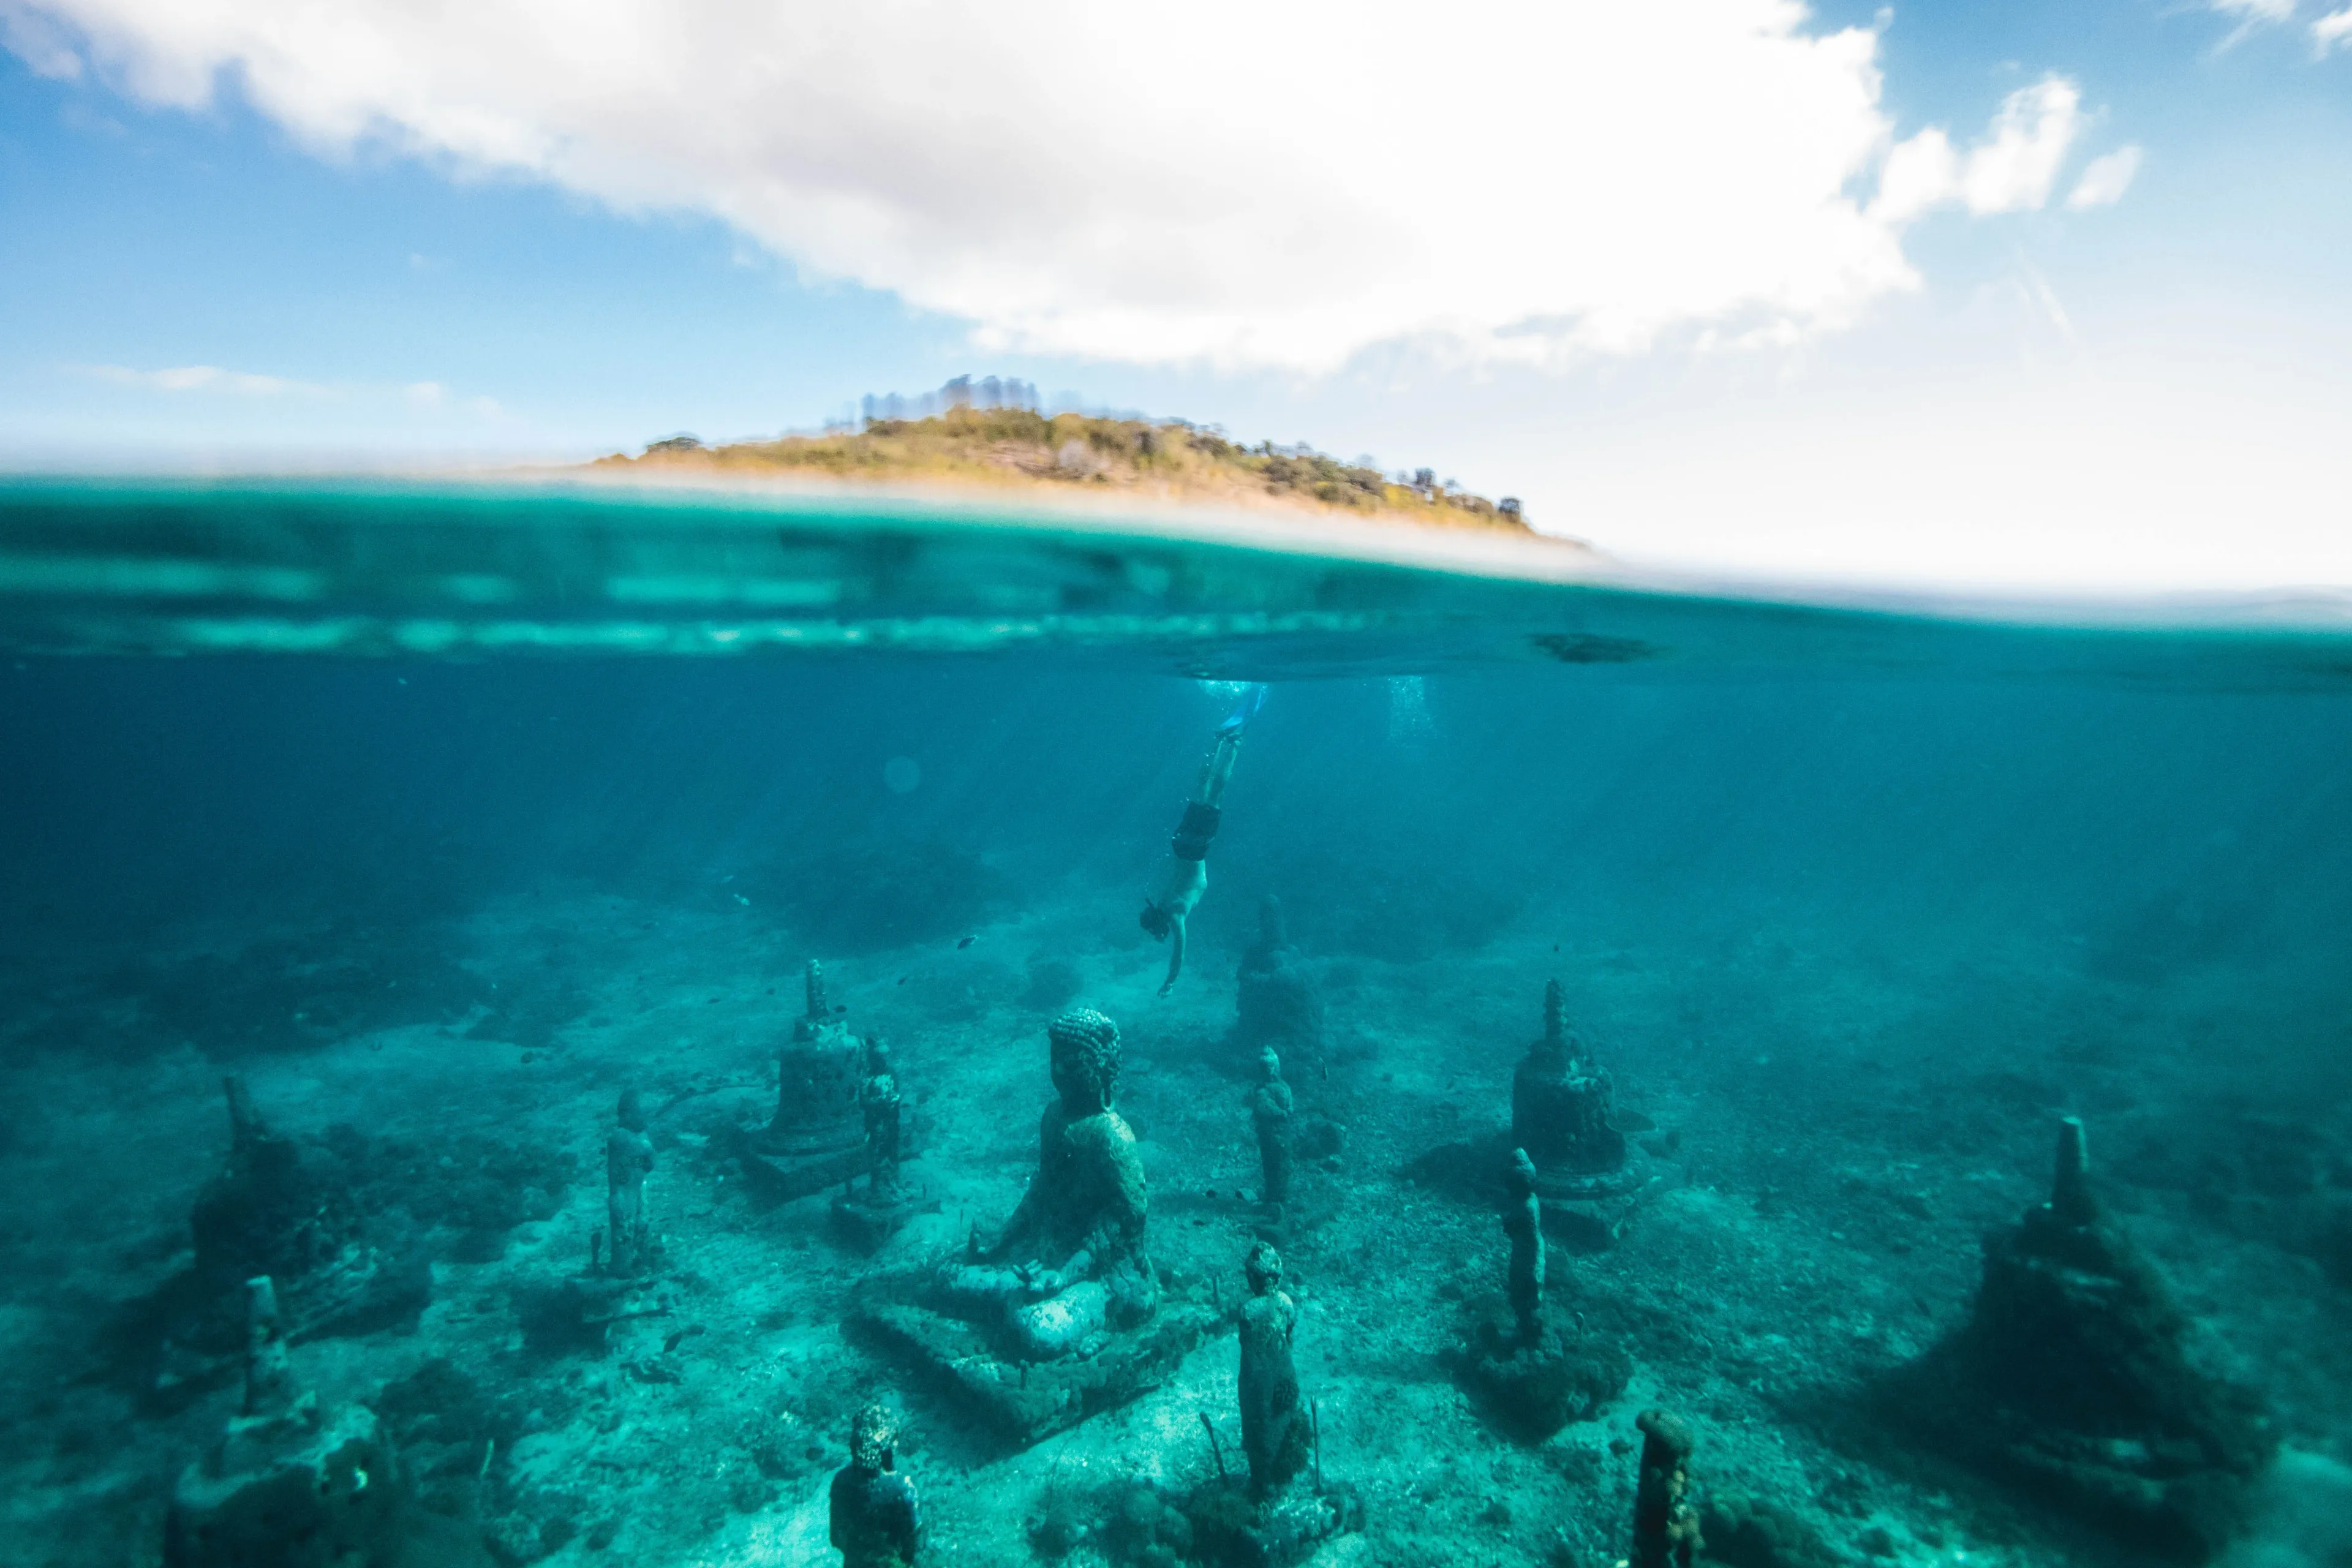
[
  {"x": 1085, "y": 1060},
  {"x": 1519, "y": 1175},
  {"x": 1269, "y": 1065},
  {"x": 873, "y": 1433},
  {"x": 632, "y": 1112},
  {"x": 1264, "y": 1269},
  {"x": 877, "y": 1056}
]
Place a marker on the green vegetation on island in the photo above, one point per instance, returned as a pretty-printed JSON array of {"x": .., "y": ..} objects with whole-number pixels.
[{"x": 1172, "y": 461}]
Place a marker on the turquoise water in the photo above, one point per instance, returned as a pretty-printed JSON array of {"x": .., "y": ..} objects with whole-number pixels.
[{"x": 440, "y": 814}]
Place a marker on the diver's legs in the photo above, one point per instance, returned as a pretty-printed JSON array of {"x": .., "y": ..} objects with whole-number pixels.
[{"x": 1217, "y": 768}]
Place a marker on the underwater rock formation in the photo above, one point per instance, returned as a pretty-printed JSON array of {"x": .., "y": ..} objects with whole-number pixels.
[
  {"x": 874, "y": 1518},
  {"x": 1746, "y": 1531},
  {"x": 1665, "y": 1527},
  {"x": 1561, "y": 1106},
  {"x": 817, "y": 1137},
  {"x": 1530, "y": 1375},
  {"x": 291, "y": 1486},
  {"x": 1271, "y": 1108},
  {"x": 2072, "y": 1378},
  {"x": 1275, "y": 1004},
  {"x": 1060, "y": 1316}
]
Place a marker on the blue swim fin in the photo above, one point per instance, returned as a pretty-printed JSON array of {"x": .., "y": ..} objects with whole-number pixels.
[{"x": 1253, "y": 698}]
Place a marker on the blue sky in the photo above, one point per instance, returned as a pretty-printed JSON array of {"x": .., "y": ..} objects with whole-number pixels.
[{"x": 227, "y": 251}]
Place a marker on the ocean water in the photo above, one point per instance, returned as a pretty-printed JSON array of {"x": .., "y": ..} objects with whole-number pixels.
[{"x": 440, "y": 815}]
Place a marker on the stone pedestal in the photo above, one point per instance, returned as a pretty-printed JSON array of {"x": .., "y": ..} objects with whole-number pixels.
[{"x": 1022, "y": 1402}]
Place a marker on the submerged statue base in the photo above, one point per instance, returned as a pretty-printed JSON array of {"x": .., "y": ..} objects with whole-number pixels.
[{"x": 1025, "y": 1402}]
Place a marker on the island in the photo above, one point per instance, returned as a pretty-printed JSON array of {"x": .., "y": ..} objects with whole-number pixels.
[{"x": 970, "y": 444}]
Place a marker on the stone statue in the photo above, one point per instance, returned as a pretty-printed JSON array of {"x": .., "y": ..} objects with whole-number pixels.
[
  {"x": 628, "y": 1160},
  {"x": 1274, "y": 1003},
  {"x": 1523, "y": 1223},
  {"x": 2073, "y": 1375},
  {"x": 1533, "y": 1375},
  {"x": 875, "y": 1520},
  {"x": 294, "y": 1482},
  {"x": 270, "y": 1388},
  {"x": 1561, "y": 1106},
  {"x": 1274, "y": 1423},
  {"x": 268, "y": 1211},
  {"x": 1062, "y": 1316},
  {"x": 817, "y": 1022},
  {"x": 1270, "y": 1111},
  {"x": 1075, "y": 1245},
  {"x": 816, "y": 1138},
  {"x": 879, "y": 1099},
  {"x": 1665, "y": 1527}
]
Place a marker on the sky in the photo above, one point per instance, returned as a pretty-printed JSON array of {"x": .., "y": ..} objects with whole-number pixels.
[{"x": 2008, "y": 296}]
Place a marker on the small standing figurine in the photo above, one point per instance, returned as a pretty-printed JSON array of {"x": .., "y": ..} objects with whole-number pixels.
[
  {"x": 1665, "y": 1527},
  {"x": 1274, "y": 1424},
  {"x": 879, "y": 1099},
  {"x": 269, "y": 1377},
  {"x": 1270, "y": 1111},
  {"x": 1523, "y": 1223},
  {"x": 875, "y": 1520},
  {"x": 628, "y": 1160}
]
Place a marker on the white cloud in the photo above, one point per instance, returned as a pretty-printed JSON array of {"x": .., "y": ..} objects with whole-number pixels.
[
  {"x": 39, "y": 42},
  {"x": 1245, "y": 183},
  {"x": 2011, "y": 170},
  {"x": 2106, "y": 179},
  {"x": 429, "y": 399},
  {"x": 203, "y": 378},
  {"x": 2329, "y": 32},
  {"x": 2256, "y": 10}
]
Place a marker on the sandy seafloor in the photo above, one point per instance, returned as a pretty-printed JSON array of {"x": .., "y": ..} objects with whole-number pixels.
[{"x": 1856, "y": 1105}]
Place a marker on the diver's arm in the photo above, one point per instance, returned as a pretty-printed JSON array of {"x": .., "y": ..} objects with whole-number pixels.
[{"x": 1175, "y": 952}]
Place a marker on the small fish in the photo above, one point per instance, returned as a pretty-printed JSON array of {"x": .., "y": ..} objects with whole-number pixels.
[
  {"x": 967, "y": 942},
  {"x": 840, "y": 1006},
  {"x": 742, "y": 901},
  {"x": 902, "y": 980}
]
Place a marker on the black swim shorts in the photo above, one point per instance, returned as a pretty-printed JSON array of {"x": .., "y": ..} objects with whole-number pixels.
[{"x": 1191, "y": 841}]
